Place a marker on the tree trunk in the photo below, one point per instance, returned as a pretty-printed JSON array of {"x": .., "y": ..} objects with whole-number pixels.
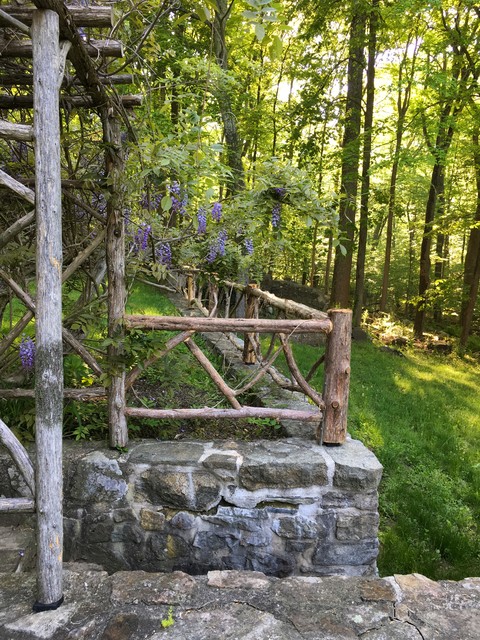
[
  {"x": 367, "y": 155},
  {"x": 232, "y": 140},
  {"x": 403, "y": 103},
  {"x": 350, "y": 157},
  {"x": 471, "y": 274}
]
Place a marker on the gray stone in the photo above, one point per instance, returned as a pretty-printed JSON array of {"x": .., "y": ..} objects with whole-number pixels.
[
  {"x": 274, "y": 465},
  {"x": 230, "y": 622},
  {"x": 356, "y": 468},
  {"x": 236, "y": 605},
  {"x": 97, "y": 479},
  {"x": 193, "y": 490},
  {"x": 356, "y": 526},
  {"x": 167, "y": 453},
  {"x": 237, "y": 580},
  {"x": 152, "y": 520},
  {"x": 298, "y": 527},
  {"x": 183, "y": 520},
  {"x": 394, "y": 630},
  {"x": 222, "y": 465},
  {"x": 42, "y": 625},
  {"x": 346, "y": 554}
]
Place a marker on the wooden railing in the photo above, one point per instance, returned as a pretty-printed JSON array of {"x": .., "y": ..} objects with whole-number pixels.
[{"x": 331, "y": 405}]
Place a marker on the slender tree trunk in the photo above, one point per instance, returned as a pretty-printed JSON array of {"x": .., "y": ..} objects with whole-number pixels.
[
  {"x": 232, "y": 140},
  {"x": 340, "y": 295},
  {"x": 437, "y": 185},
  {"x": 403, "y": 103},
  {"x": 471, "y": 275},
  {"x": 367, "y": 156}
]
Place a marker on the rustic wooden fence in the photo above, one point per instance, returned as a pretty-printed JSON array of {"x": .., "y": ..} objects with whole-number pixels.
[{"x": 331, "y": 405}]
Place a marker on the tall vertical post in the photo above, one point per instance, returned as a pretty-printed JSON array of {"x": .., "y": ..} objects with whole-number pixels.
[
  {"x": 251, "y": 311},
  {"x": 337, "y": 377},
  {"x": 190, "y": 288},
  {"x": 48, "y": 325},
  {"x": 116, "y": 280}
]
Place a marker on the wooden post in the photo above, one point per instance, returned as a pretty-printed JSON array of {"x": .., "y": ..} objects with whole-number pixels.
[
  {"x": 190, "y": 288},
  {"x": 118, "y": 429},
  {"x": 337, "y": 377},
  {"x": 49, "y": 363},
  {"x": 212, "y": 298},
  {"x": 251, "y": 311}
]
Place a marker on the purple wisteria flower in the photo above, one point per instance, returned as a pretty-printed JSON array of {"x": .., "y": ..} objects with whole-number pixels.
[
  {"x": 202, "y": 221},
  {"x": 217, "y": 248},
  {"x": 164, "y": 254},
  {"x": 217, "y": 211},
  {"x": 150, "y": 203},
  {"x": 221, "y": 240},
  {"x": 98, "y": 202},
  {"x": 276, "y": 215},
  {"x": 140, "y": 240},
  {"x": 248, "y": 244},
  {"x": 212, "y": 253},
  {"x": 179, "y": 200},
  {"x": 26, "y": 352},
  {"x": 280, "y": 192},
  {"x": 127, "y": 212}
]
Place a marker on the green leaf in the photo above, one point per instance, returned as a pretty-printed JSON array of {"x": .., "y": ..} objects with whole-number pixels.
[
  {"x": 166, "y": 203},
  {"x": 276, "y": 48},
  {"x": 260, "y": 32}
]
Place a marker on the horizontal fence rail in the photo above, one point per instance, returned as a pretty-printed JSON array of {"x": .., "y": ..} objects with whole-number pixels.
[{"x": 206, "y": 325}]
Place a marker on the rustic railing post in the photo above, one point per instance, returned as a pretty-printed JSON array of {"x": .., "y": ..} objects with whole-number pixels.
[
  {"x": 212, "y": 298},
  {"x": 337, "y": 377},
  {"x": 115, "y": 254},
  {"x": 251, "y": 311},
  {"x": 49, "y": 359},
  {"x": 190, "y": 288}
]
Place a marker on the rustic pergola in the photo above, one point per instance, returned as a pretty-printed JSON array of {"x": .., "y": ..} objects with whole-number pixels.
[{"x": 48, "y": 34}]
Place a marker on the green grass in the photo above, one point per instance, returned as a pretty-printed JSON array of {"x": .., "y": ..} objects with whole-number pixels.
[
  {"x": 148, "y": 300},
  {"x": 420, "y": 415}
]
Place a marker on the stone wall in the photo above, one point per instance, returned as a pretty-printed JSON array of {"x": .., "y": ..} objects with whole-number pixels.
[{"x": 286, "y": 507}]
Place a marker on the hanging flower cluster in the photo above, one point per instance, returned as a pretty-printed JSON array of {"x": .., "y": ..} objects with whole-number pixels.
[
  {"x": 179, "y": 200},
  {"x": 99, "y": 203},
  {"x": 217, "y": 211},
  {"x": 217, "y": 248},
  {"x": 248, "y": 244},
  {"x": 27, "y": 353},
  {"x": 140, "y": 239},
  {"x": 276, "y": 215},
  {"x": 202, "y": 221},
  {"x": 164, "y": 254},
  {"x": 150, "y": 202}
]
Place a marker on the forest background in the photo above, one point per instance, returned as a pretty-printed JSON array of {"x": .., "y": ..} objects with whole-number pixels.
[{"x": 332, "y": 143}]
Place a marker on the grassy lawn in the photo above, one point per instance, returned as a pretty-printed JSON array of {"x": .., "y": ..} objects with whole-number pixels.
[{"x": 421, "y": 416}]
